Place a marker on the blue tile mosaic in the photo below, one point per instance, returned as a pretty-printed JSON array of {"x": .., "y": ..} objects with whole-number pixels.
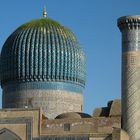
[
  {"x": 42, "y": 51},
  {"x": 44, "y": 86}
]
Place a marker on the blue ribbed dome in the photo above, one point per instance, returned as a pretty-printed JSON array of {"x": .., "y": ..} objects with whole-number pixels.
[{"x": 42, "y": 50}]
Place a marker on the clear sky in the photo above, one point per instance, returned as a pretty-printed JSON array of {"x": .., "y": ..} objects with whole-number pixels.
[{"x": 95, "y": 24}]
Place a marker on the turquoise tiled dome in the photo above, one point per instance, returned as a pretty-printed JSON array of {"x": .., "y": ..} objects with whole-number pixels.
[{"x": 42, "y": 50}]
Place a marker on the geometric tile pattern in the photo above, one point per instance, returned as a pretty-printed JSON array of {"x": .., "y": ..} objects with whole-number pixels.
[
  {"x": 130, "y": 28},
  {"x": 131, "y": 94}
]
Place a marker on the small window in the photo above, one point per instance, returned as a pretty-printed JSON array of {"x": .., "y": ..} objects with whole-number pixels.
[{"x": 66, "y": 127}]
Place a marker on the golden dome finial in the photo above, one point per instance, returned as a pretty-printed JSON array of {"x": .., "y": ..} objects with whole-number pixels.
[{"x": 44, "y": 12}]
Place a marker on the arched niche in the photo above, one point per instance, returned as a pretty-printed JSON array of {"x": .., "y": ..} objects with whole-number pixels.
[{"x": 6, "y": 134}]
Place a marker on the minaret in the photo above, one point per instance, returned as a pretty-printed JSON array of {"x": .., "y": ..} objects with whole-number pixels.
[{"x": 130, "y": 29}]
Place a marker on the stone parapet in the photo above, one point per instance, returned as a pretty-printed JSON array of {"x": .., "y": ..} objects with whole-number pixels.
[{"x": 88, "y": 126}]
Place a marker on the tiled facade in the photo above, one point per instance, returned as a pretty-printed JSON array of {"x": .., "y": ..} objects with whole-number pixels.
[
  {"x": 130, "y": 29},
  {"x": 52, "y": 102},
  {"x": 43, "y": 65}
]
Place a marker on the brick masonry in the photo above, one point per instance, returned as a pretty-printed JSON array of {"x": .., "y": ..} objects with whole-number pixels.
[
  {"x": 67, "y": 128},
  {"x": 52, "y": 102}
]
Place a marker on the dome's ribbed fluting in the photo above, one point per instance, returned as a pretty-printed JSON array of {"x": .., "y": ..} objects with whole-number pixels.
[
  {"x": 42, "y": 50},
  {"x": 43, "y": 65}
]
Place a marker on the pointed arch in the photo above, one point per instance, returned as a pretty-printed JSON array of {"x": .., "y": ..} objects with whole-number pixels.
[{"x": 6, "y": 134}]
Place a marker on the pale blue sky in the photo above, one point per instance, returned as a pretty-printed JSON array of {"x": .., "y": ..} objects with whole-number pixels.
[{"x": 95, "y": 24}]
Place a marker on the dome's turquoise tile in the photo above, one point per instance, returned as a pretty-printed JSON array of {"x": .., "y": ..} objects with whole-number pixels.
[{"x": 42, "y": 50}]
